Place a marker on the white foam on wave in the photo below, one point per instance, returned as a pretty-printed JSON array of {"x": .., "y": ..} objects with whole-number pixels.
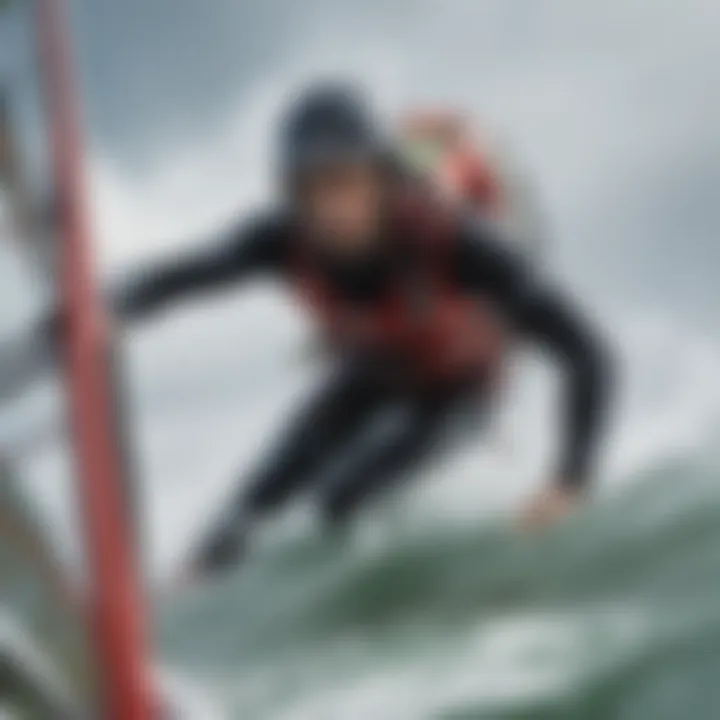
[{"x": 514, "y": 660}]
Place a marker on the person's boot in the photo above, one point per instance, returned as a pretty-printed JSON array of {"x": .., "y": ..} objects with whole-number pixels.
[{"x": 221, "y": 552}]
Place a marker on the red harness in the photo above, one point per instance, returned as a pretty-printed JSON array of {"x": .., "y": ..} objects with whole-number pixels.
[{"x": 426, "y": 325}]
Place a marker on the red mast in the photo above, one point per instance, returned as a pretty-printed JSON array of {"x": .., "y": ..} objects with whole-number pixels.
[{"x": 116, "y": 605}]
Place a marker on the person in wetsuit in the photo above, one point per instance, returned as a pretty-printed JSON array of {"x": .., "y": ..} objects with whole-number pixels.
[{"x": 418, "y": 303}]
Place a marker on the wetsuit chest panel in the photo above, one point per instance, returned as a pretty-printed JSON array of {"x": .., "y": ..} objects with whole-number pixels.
[{"x": 420, "y": 323}]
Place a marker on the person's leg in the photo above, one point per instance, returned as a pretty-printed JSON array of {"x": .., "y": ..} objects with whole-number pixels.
[
  {"x": 390, "y": 455},
  {"x": 321, "y": 429},
  {"x": 316, "y": 434}
]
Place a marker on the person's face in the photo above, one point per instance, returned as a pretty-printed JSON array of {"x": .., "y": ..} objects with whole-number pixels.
[{"x": 341, "y": 203}]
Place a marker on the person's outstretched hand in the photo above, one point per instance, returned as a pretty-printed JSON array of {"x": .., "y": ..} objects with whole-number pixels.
[{"x": 552, "y": 505}]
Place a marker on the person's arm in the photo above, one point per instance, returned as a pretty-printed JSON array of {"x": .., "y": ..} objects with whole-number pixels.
[
  {"x": 544, "y": 316},
  {"x": 247, "y": 249},
  {"x": 556, "y": 324}
]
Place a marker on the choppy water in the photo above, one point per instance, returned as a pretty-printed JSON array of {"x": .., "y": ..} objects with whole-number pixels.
[{"x": 614, "y": 616}]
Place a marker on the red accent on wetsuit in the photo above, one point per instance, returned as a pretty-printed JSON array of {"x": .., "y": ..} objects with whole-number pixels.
[
  {"x": 465, "y": 170},
  {"x": 471, "y": 177},
  {"x": 426, "y": 326}
]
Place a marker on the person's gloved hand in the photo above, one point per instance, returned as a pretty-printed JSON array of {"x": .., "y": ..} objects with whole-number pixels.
[{"x": 553, "y": 504}]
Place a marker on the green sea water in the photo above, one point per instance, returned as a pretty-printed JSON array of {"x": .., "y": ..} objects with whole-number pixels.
[{"x": 614, "y": 616}]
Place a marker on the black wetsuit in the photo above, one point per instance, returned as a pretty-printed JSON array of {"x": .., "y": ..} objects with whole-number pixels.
[{"x": 345, "y": 408}]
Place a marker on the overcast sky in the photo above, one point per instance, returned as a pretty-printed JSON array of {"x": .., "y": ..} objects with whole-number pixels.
[{"x": 613, "y": 107}]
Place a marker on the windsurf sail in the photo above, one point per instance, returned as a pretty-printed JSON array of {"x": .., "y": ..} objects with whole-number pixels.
[
  {"x": 50, "y": 243},
  {"x": 115, "y": 603},
  {"x": 55, "y": 248}
]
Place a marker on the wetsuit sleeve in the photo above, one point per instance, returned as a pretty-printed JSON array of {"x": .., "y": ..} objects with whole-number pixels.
[
  {"x": 245, "y": 249},
  {"x": 545, "y": 316}
]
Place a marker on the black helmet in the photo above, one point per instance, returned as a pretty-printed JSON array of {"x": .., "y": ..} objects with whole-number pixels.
[{"x": 327, "y": 123}]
